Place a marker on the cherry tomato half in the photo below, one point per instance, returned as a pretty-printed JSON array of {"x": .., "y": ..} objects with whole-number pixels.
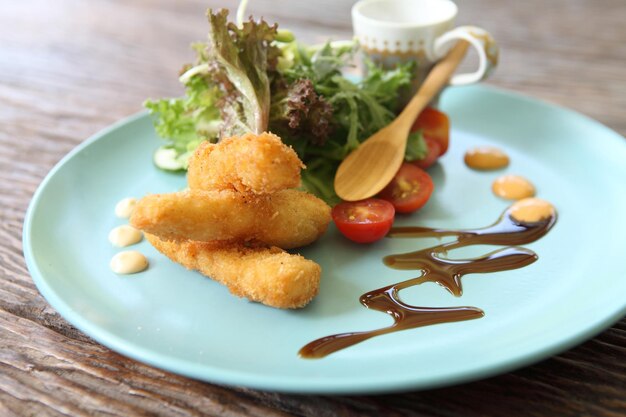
[
  {"x": 409, "y": 190},
  {"x": 364, "y": 221},
  {"x": 434, "y": 150},
  {"x": 434, "y": 125}
]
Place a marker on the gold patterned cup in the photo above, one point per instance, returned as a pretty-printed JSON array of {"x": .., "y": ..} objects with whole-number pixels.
[{"x": 397, "y": 31}]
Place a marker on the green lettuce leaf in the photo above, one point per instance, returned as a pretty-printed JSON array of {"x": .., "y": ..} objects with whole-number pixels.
[
  {"x": 185, "y": 122},
  {"x": 238, "y": 60},
  {"x": 416, "y": 147}
]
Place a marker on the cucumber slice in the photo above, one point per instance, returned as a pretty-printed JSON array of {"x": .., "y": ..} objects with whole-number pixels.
[{"x": 167, "y": 159}]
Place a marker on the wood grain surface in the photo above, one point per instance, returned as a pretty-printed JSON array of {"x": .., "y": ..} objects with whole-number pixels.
[{"x": 71, "y": 67}]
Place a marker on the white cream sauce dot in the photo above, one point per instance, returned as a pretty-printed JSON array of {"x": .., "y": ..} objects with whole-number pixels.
[
  {"x": 124, "y": 208},
  {"x": 128, "y": 262},
  {"x": 124, "y": 235}
]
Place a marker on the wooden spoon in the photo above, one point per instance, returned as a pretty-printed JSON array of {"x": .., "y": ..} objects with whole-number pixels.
[{"x": 370, "y": 167}]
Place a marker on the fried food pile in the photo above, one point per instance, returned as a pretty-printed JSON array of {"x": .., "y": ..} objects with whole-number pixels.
[{"x": 237, "y": 217}]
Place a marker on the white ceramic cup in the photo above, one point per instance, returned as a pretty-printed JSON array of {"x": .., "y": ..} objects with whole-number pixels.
[{"x": 394, "y": 31}]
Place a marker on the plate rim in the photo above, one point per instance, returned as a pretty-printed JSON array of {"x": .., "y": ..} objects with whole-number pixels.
[{"x": 300, "y": 384}]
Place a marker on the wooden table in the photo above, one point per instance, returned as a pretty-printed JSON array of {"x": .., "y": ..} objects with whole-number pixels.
[{"x": 68, "y": 68}]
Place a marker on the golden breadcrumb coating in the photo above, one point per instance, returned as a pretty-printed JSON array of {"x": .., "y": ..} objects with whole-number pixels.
[
  {"x": 287, "y": 219},
  {"x": 268, "y": 275},
  {"x": 258, "y": 164},
  {"x": 239, "y": 210}
]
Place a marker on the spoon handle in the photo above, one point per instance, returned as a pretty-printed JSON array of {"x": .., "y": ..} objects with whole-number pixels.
[{"x": 437, "y": 78}]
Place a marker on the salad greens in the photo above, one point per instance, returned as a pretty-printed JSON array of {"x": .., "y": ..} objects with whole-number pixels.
[{"x": 254, "y": 78}]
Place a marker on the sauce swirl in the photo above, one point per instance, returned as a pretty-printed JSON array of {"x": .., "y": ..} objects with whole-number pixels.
[{"x": 511, "y": 228}]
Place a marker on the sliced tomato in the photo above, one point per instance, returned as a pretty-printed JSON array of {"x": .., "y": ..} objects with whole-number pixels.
[
  {"x": 434, "y": 150},
  {"x": 364, "y": 221},
  {"x": 435, "y": 125},
  {"x": 409, "y": 190}
]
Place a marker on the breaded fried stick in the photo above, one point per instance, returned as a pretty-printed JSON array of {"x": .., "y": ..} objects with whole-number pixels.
[
  {"x": 258, "y": 164},
  {"x": 265, "y": 274},
  {"x": 287, "y": 219}
]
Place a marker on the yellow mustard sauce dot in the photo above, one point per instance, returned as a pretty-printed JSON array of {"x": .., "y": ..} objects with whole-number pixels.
[
  {"x": 513, "y": 187},
  {"x": 486, "y": 158},
  {"x": 531, "y": 210}
]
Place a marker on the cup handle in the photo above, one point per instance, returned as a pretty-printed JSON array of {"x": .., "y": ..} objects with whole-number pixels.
[{"x": 484, "y": 44}]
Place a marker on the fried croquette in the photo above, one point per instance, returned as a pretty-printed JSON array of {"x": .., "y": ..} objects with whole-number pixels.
[
  {"x": 258, "y": 164},
  {"x": 287, "y": 219},
  {"x": 265, "y": 274}
]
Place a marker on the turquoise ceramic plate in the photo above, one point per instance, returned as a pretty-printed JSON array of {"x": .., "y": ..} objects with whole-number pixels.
[{"x": 182, "y": 322}]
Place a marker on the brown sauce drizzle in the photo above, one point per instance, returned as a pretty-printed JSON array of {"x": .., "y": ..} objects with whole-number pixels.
[{"x": 446, "y": 272}]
